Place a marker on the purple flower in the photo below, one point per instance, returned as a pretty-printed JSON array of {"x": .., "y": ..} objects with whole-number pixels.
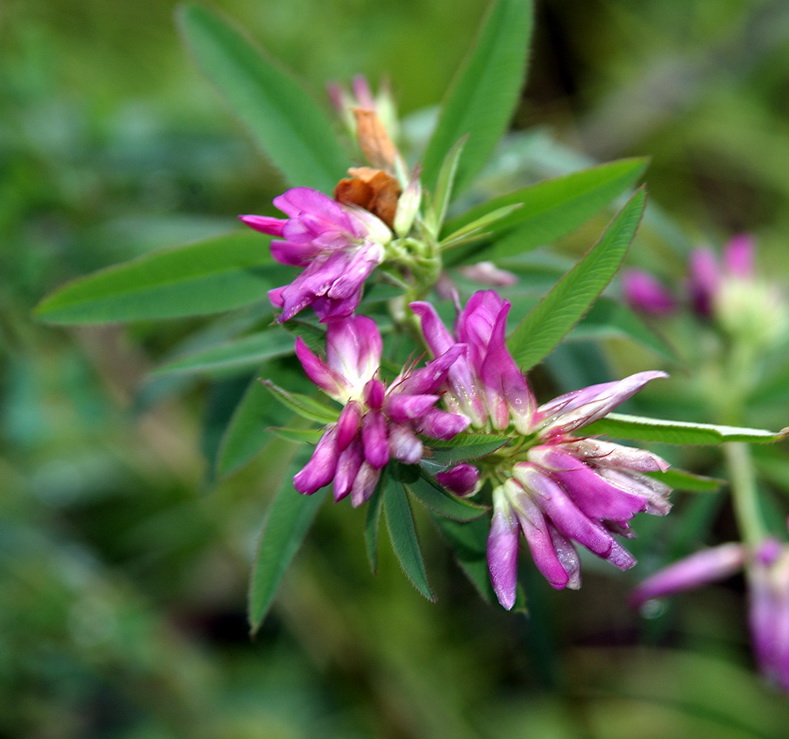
[
  {"x": 377, "y": 422},
  {"x": 338, "y": 245},
  {"x": 554, "y": 487},
  {"x": 643, "y": 293},
  {"x": 768, "y": 582},
  {"x": 708, "y": 276}
]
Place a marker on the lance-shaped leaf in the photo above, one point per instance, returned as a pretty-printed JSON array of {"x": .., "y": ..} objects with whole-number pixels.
[
  {"x": 624, "y": 426},
  {"x": 288, "y": 520},
  {"x": 288, "y": 125},
  {"x": 306, "y": 407},
  {"x": 483, "y": 95},
  {"x": 553, "y": 317},
  {"x": 372, "y": 524},
  {"x": 550, "y": 209},
  {"x": 688, "y": 481},
  {"x": 239, "y": 354},
  {"x": 405, "y": 542},
  {"x": 441, "y": 454},
  {"x": 207, "y": 277}
]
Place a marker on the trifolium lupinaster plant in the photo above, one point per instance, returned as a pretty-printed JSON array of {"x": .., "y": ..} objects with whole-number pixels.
[{"x": 402, "y": 287}]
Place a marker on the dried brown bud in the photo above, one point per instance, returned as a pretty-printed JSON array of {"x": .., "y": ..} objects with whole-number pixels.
[
  {"x": 374, "y": 141},
  {"x": 371, "y": 189}
]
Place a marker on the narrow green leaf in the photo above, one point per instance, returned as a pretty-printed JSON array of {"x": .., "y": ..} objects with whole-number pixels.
[
  {"x": 443, "y": 193},
  {"x": 440, "y": 455},
  {"x": 687, "y": 481},
  {"x": 468, "y": 541},
  {"x": 246, "y": 435},
  {"x": 624, "y": 426},
  {"x": 552, "y": 208},
  {"x": 553, "y": 317},
  {"x": 405, "y": 542},
  {"x": 372, "y": 523},
  {"x": 303, "y": 436},
  {"x": 475, "y": 230},
  {"x": 240, "y": 354},
  {"x": 438, "y": 500},
  {"x": 287, "y": 124},
  {"x": 483, "y": 95},
  {"x": 207, "y": 277},
  {"x": 608, "y": 318},
  {"x": 287, "y": 523},
  {"x": 306, "y": 407}
]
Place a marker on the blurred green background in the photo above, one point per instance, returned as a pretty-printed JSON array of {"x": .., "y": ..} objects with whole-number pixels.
[{"x": 123, "y": 562}]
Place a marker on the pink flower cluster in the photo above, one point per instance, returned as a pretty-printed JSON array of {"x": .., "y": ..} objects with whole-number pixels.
[{"x": 548, "y": 483}]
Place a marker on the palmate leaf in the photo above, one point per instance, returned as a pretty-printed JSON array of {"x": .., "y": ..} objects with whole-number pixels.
[
  {"x": 553, "y": 317},
  {"x": 287, "y": 124},
  {"x": 623, "y": 426},
  {"x": 549, "y": 209},
  {"x": 483, "y": 96},
  {"x": 206, "y": 277}
]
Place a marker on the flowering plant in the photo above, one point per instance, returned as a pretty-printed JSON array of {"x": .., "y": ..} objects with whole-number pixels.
[{"x": 362, "y": 276}]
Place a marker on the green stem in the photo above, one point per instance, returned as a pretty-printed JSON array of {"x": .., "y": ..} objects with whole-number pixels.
[{"x": 744, "y": 493}]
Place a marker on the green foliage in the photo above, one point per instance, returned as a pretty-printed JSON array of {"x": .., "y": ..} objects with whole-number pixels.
[
  {"x": 483, "y": 95},
  {"x": 553, "y": 317},
  {"x": 402, "y": 532},
  {"x": 207, "y": 277},
  {"x": 624, "y": 426},
  {"x": 287, "y": 124},
  {"x": 287, "y": 522}
]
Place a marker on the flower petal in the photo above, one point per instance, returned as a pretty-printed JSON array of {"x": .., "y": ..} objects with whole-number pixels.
[
  {"x": 319, "y": 471},
  {"x": 579, "y": 408},
  {"x": 375, "y": 439},
  {"x": 502, "y": 550},
  {"x": 698, "y": 569},
  {"x": 462, "y": 479}
]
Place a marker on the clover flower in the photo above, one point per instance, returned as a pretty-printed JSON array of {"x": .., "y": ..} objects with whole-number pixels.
[
  {"x": 645, "y": 294},
  {"x": 767, "y": 569},
  {"x": 338, "y": 245},
  {"x": 377, "y": 422},
  {"x": 554, "y": 487}
]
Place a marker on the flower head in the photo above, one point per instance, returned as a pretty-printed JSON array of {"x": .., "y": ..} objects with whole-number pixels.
[
  {"x": 767, "y": 567},
  {"x": 338, "y": 245},
  {"x": 378, "y": 422},
  {"x": 554, "y": 487}
]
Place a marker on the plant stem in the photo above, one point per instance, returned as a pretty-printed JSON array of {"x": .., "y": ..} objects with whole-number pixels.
[{"x": 744, "y": 493}]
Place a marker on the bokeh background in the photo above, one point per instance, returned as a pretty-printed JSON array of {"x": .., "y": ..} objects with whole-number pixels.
[{"x": 124, "y": 560}]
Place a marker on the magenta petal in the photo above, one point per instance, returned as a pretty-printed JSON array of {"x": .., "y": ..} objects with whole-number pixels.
[
  {"x": 374, "y": 394},
  {"x": 275, "y": 297},
  {"x": 697, "y": 569},
  {"x": 438, "y": 424},
  {"x": 348, "y": 466},
  {"x": 643, "y": 293},
  {"x": 326, "y": 378},
  {"x": 298, "y": 201},
  {"x": 430, "y": 378},
  {"x": 364, "y": 485},
  {"x": 319, "y": 471},
  {"x": 579, "y": 408},
  {"x": 704, "y": 280},
  {"x": 738, "y": 256},
  {"x": 436, "y": 335},
  {"x": 403, "y": 408},
  {"x": 404, "y": 444},
  {"x": 538, "y": 536},
  {"x": 375, "y": 439},
  {"x": 461, "y": 480},
  {"x": 296, "y": 255},
  {"x": 353, "y": 347},
  {"x": 607, "y": 454},
  {"x": 560, "y": 509},
  {"x": 348, "y": 424},
  {"x": 769, "y": 617},
  {"x": 502, "y": 550},
  {"x": 595, "y": 497},
  {"x": 264, "y": 224}
]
